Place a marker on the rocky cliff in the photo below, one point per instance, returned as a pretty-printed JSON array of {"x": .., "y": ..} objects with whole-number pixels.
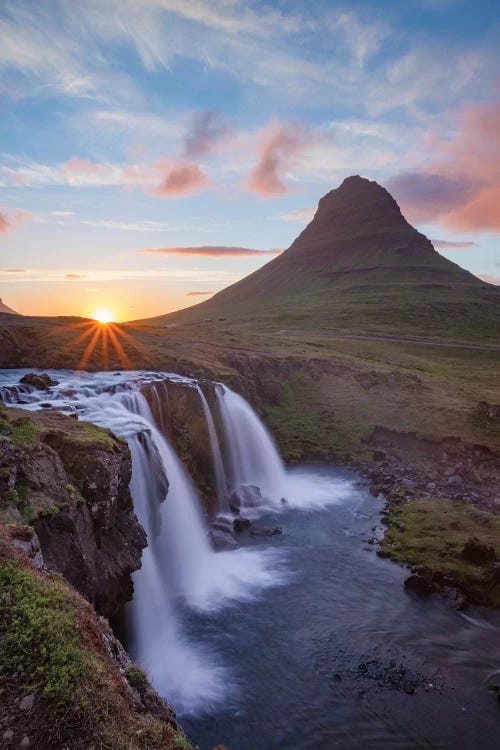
[{"x": 69, "y": 481}]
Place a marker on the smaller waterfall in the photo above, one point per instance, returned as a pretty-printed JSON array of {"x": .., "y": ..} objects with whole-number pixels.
[
  {"x": 253, "y": 457},
  {"x": 220, "y": 474}
]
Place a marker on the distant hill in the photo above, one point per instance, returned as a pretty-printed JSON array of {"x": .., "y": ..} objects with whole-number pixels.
[
  {"x": 5, "y": 309},
  {"x": 358, "y": 267}
]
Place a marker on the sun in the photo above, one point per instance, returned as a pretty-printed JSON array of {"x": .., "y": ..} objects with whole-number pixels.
[{"x": 104, "y": 316}]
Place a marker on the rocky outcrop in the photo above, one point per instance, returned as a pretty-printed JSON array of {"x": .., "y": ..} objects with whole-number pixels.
[
  {"x": 38, "y": 380},
  {"x": 69, "y": 481},
  {"x": 178, "y": 411}
]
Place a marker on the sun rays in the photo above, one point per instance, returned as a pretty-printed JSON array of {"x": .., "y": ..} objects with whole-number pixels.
[{"x": 104, "y": 343}]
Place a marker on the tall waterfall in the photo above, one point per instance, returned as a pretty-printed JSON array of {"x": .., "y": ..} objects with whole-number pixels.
[
  {"x": 220, "y": 474},
  {"x": 253, "y": 457},
  {"x": 180, "y": 569}
]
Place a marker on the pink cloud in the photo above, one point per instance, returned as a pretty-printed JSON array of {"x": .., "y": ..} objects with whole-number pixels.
[
  {"x": 214, "y": 251},
  {"x": 181, "y": 178},
  {"x": 489, "y": 278},
  {"x": 13, "y": 220},
  {"x": 461, "y": 186},
  {"x": 75, "y": 165},
  {"x": 278, "y": 145}
]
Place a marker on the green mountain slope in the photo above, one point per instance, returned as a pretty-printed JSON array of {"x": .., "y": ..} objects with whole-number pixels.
[{"x": 358, "y": 267}]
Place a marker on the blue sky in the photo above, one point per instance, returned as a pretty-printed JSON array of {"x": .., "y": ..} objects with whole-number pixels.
[{"x": 136, "y": 125}]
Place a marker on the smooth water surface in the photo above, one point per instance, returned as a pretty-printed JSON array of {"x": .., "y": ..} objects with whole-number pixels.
[{"x": 295, "y": 656}]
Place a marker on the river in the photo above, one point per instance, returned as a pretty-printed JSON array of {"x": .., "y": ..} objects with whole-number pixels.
[{"x": 304, "y": 640}]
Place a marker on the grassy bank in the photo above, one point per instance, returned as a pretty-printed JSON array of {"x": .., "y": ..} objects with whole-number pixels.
[{"x": 433, "y": 535}]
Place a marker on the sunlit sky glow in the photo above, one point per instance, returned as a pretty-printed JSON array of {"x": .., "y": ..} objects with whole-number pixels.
[{"x": 149, "y": 148}]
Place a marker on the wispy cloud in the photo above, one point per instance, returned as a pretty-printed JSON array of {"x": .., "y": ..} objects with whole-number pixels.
[
  {"x": 195, "y": 275},
  {"x": 450, "y": 245},
  {"x": 205, "y": 132},
  {"x": 211, "y": 251},
  {"x": 302, "y": 214},
  {"x": 278, "y": 145},
  {"x": 12, "y": 219},
  {"x": 198, "y": 294}
]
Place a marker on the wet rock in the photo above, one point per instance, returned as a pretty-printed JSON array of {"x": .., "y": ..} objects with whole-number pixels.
[
  {"x": 379, "y": 455},
  {"x": 421, "y": 585},
  {"x": 223, "y": 539},
  {"x": 262, "y": 531},
  {"x": 39, "y": 381},
  {"x": 8, "y": 735},
  {"x": 455, "y": 480},
  {"x": 241, "y": 524},
  {"x": 246, "y": 496},
  {"x": 25, "y": 742},
  {"x": 477, "y": 552}
]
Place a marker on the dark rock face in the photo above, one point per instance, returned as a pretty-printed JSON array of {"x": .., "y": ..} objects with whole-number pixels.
[
  {"x": 39, "y": 381},
  {"x": 71, "y": 485}
]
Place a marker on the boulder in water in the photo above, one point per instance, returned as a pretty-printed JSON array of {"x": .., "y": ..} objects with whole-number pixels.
[
  {"x": 39, "y": 381},
  {"x": 246, "y": 496},
  {"x": 241, "y": 524},
  {"x": 223, "y": 538}
]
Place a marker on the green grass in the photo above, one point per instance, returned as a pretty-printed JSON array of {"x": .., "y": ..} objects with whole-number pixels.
[
  {"x": 429, "y": 534},
  {"x": 24, "y": 432},
  {"x": 39, "y": 636}
]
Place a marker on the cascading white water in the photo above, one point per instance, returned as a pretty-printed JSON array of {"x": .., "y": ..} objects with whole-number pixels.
[
  {"x": 253, "y": 457},
  {"x": 180, "y": 569},
  {"x": 220, "y": 474}
]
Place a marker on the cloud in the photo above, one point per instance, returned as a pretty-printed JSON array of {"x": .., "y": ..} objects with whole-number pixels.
[
  {"x": 302, "y": 214},
  {"x": 213, "y": 251},
  {"x": 449, "y": 245},
  {"x": 198, "y": 294},
  {"x": 461, "y": 186},
  {"x": 75, "y": 165},
  {"x": 205, "y": 132},
  {"x": 4, "y": 224},
  {"x": 13, "y": 270},
  {"x": 74, "y": 276},
  {"x": 489, "y": 278},
  {"x": 12, "y": 220},
  {"x": 278, "y": 144},
  {"x": 182, "y": 178}
]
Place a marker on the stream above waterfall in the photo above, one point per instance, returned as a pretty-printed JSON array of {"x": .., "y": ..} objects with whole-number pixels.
[{"x": 305, "y": 640}]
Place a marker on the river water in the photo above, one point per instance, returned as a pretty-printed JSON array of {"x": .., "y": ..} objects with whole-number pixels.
[{"x": 305, "y": 640}]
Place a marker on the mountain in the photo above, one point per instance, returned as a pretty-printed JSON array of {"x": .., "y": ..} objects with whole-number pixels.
[
  {"x": 358, "y": 267},
  {"x": 5, "y": 309}
]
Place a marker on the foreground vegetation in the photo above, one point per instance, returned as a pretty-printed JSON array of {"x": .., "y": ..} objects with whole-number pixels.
[{"x": 60, "y": 685}]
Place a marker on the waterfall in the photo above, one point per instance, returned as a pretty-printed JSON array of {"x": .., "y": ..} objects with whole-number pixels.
[
  {"x": 180, "y": 569},
  {"x": 220, "y": 474},
  {"x": 253, "y": 458}
]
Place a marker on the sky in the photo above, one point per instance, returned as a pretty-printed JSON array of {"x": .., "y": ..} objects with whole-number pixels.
[{"x": 154, "y": 151}]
